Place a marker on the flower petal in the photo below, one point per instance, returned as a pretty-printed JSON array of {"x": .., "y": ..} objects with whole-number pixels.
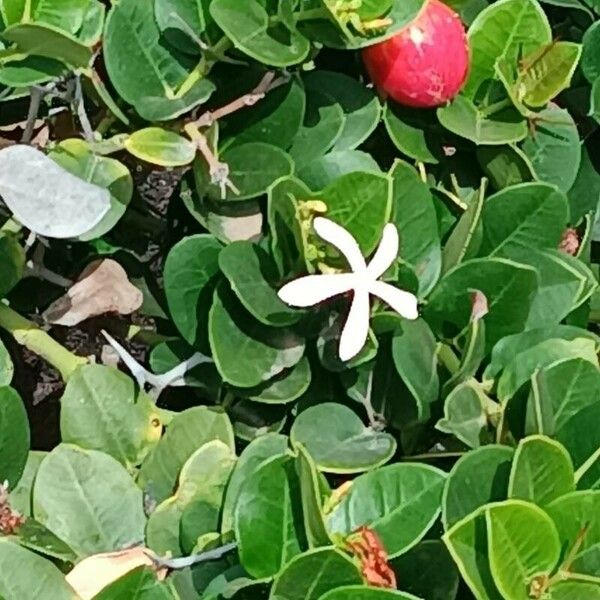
[
  {"x": 312, "y": 289},
  {"x": 343, "y": 240},
  {"x": 404, "y": 303},
  {"x": 387, "y": 252},
  {"x": 356, "y": 328}
]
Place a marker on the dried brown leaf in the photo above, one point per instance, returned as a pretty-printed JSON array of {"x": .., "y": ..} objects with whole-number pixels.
[{"x": 102, "y": 288}]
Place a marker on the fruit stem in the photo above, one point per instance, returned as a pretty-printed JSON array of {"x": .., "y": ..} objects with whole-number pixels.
[{"x": 28, "y": 334}]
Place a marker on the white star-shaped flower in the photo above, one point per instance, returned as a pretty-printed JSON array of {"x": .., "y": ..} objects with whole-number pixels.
[{"x": 363, "y": 281}]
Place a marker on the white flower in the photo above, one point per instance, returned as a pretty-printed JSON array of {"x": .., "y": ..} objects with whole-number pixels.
[{"x": 363, "y": 281}]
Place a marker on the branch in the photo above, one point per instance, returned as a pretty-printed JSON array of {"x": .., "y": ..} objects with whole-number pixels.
[{"x": 188, "y": 561}]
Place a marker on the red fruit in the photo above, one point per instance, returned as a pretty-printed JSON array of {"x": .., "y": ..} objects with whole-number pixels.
[{"x": 426, "y": 63}]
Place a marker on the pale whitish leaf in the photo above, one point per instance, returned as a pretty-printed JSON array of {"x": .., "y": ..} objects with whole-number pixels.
[{"x": 45, "y": 197}]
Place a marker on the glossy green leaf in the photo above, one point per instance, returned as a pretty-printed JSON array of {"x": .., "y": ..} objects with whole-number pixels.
[
  {"x": 139, "y": 584},
  {"x": 363, "y": 592},
  {"x": 194, "y": 509},
  {"x": 76, "y": 157},
  {"x": 187, "y": 432},
  {"x": 191, "y": 269},
  {"x": 312, "y": 574},
  {"x": 338, "y": 441},
  {"x": 554, "y": 150},
  {"x": 21, "y": 494},
  {"x": 506, "y": 30},
  {"x": 414, "y": 350},
  {"x": 161, "y": 147},
  {"x": 465, "y": 119},
  {"x": 360, "y": 106},
  {"x": 33, "y": 70},
  {"x": 246, "y": 352},
  {"x": 590, "y": 62},
  {"x": 314, "y": 491},
  {"x": 508, "y": 286},
  {"x": 515, "y": 555},
  {"x": 530, "y": 215},
  {"x": 477, "y": 478},
  {"x": 12, "y": 263},
  {"x": 505, "y": 165},
  {"x": 251, "y": 32},
  {"x": 413, "y": 213},
  {"x": 249, "y": 269},
  {"x": 466, "y": 415},
  {"x": 400, "y": 502},
  {"x": 101, "y": 410},
  {"x": 14, "y": 436},
  {"x": 541, "y": 472},
  {"x": 88, "y": 500},
  {"x": 467, "y": 543},
  {"x": 64, "y": 14},
  {"x": 584, "y": 194},
  {"x": 254, "y": 455},
  {"x": 268, "y": 523},
  {"x": 16, "y": 580}
]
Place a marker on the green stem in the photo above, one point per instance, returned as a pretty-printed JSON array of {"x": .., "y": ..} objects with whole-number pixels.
[
  {"x": 430, "y": 455},
  {"x": 447, "y": 357},
  {"x": 587, "y": 465},
  {"x": 28, "y": 334},
  {"x": 496, "y": 107}
]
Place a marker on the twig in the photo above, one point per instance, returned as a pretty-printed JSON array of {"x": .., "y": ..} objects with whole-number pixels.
[
  {"x": 188, "y": 561},
  {"x": 88, "y": 131},
  {"x": 37, "y": 94},
  {"x": 267, "y": 83}
]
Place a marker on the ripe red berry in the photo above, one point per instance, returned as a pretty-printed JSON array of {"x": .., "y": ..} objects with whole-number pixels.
[{"x": 426, "y": 63}]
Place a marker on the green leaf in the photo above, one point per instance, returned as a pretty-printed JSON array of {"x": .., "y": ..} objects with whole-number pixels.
[
  {"x": 283, "y": 388},
  {"x": 548, "y": 72},
  {"x": 466, "y": 415},
  {"x": 324, "y": 123},
  {"x": 571, "y": 514},
  {"x": 252, "y": 420},
  {"x": 522, "y": 217},
  {"x": 338, "y": 441},
  {"x": 64, "y": 14},
  {"x": 49, "y": 42},
  {"x": 505, "y": 166},
  {"x": 523, "y": 543},
  {"x": 584, "y": 195},
  {"x": 248, "y": 353},
  {"x": 363, "y": 592},
  {"x": 249, "y": 269},
  {"x": 360, "y": 202},
  {"x": 312, "y": 574},
  {"x": 20, "y": 496},
  {"x": 157, "y": 80},
  {"x": 508, "y": 286},
  {"x": 101, "y": 410},
  {"x": 360, "y": 105},
  {"x": 428, "y": 571},
  {"x": 252, "y": 33},
  {"x": 187, "y": 432},
  {"x": 399, "y": 502},
  {"x": 161, "y": 147},
  {"x": 523, "y": 365},
  {"x": 194, "y": 509},
  {"x": 477, "y": 478},
  {"x": 191, "y": 269},
  {"x": 268, "y": 522},
  {"x": 139, "y": 584},
  {"x": 33, "y": 70},
  {"x": 413, "y": 213},
  {"x": 183, "y": 22},
  {"x": 314, "y": 491},
  {"x": 560, "y": 391},
  {"x": 590, "y": 63},
  {"x": 12, "y": 265},
  {"x": 465, "y": 119},
  {"x": 92, "y": 28},
  {"x": 75, "y": 156},
  {"x": 253, "y": 166},
  {"x": 555, "y": 149},
  {"x": 467, "y": 543},
  {"x": 39, "y": 192},
  {"x": 88, "y": 500},
  {"x": 412, "y": 133},
  {"x": 506, "y": 30},
  {"x": 323, "y": 170},
  {"x": 254, "y": 455},
  {"x": 541, "y": 472},
  {"x": 414, "y": 350},
  {"x": 17, "y": 565},
  {"x": 574, "y": 591},
  {"x": 14, "y": 436},
  {"x": 34, "y": 536}
]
